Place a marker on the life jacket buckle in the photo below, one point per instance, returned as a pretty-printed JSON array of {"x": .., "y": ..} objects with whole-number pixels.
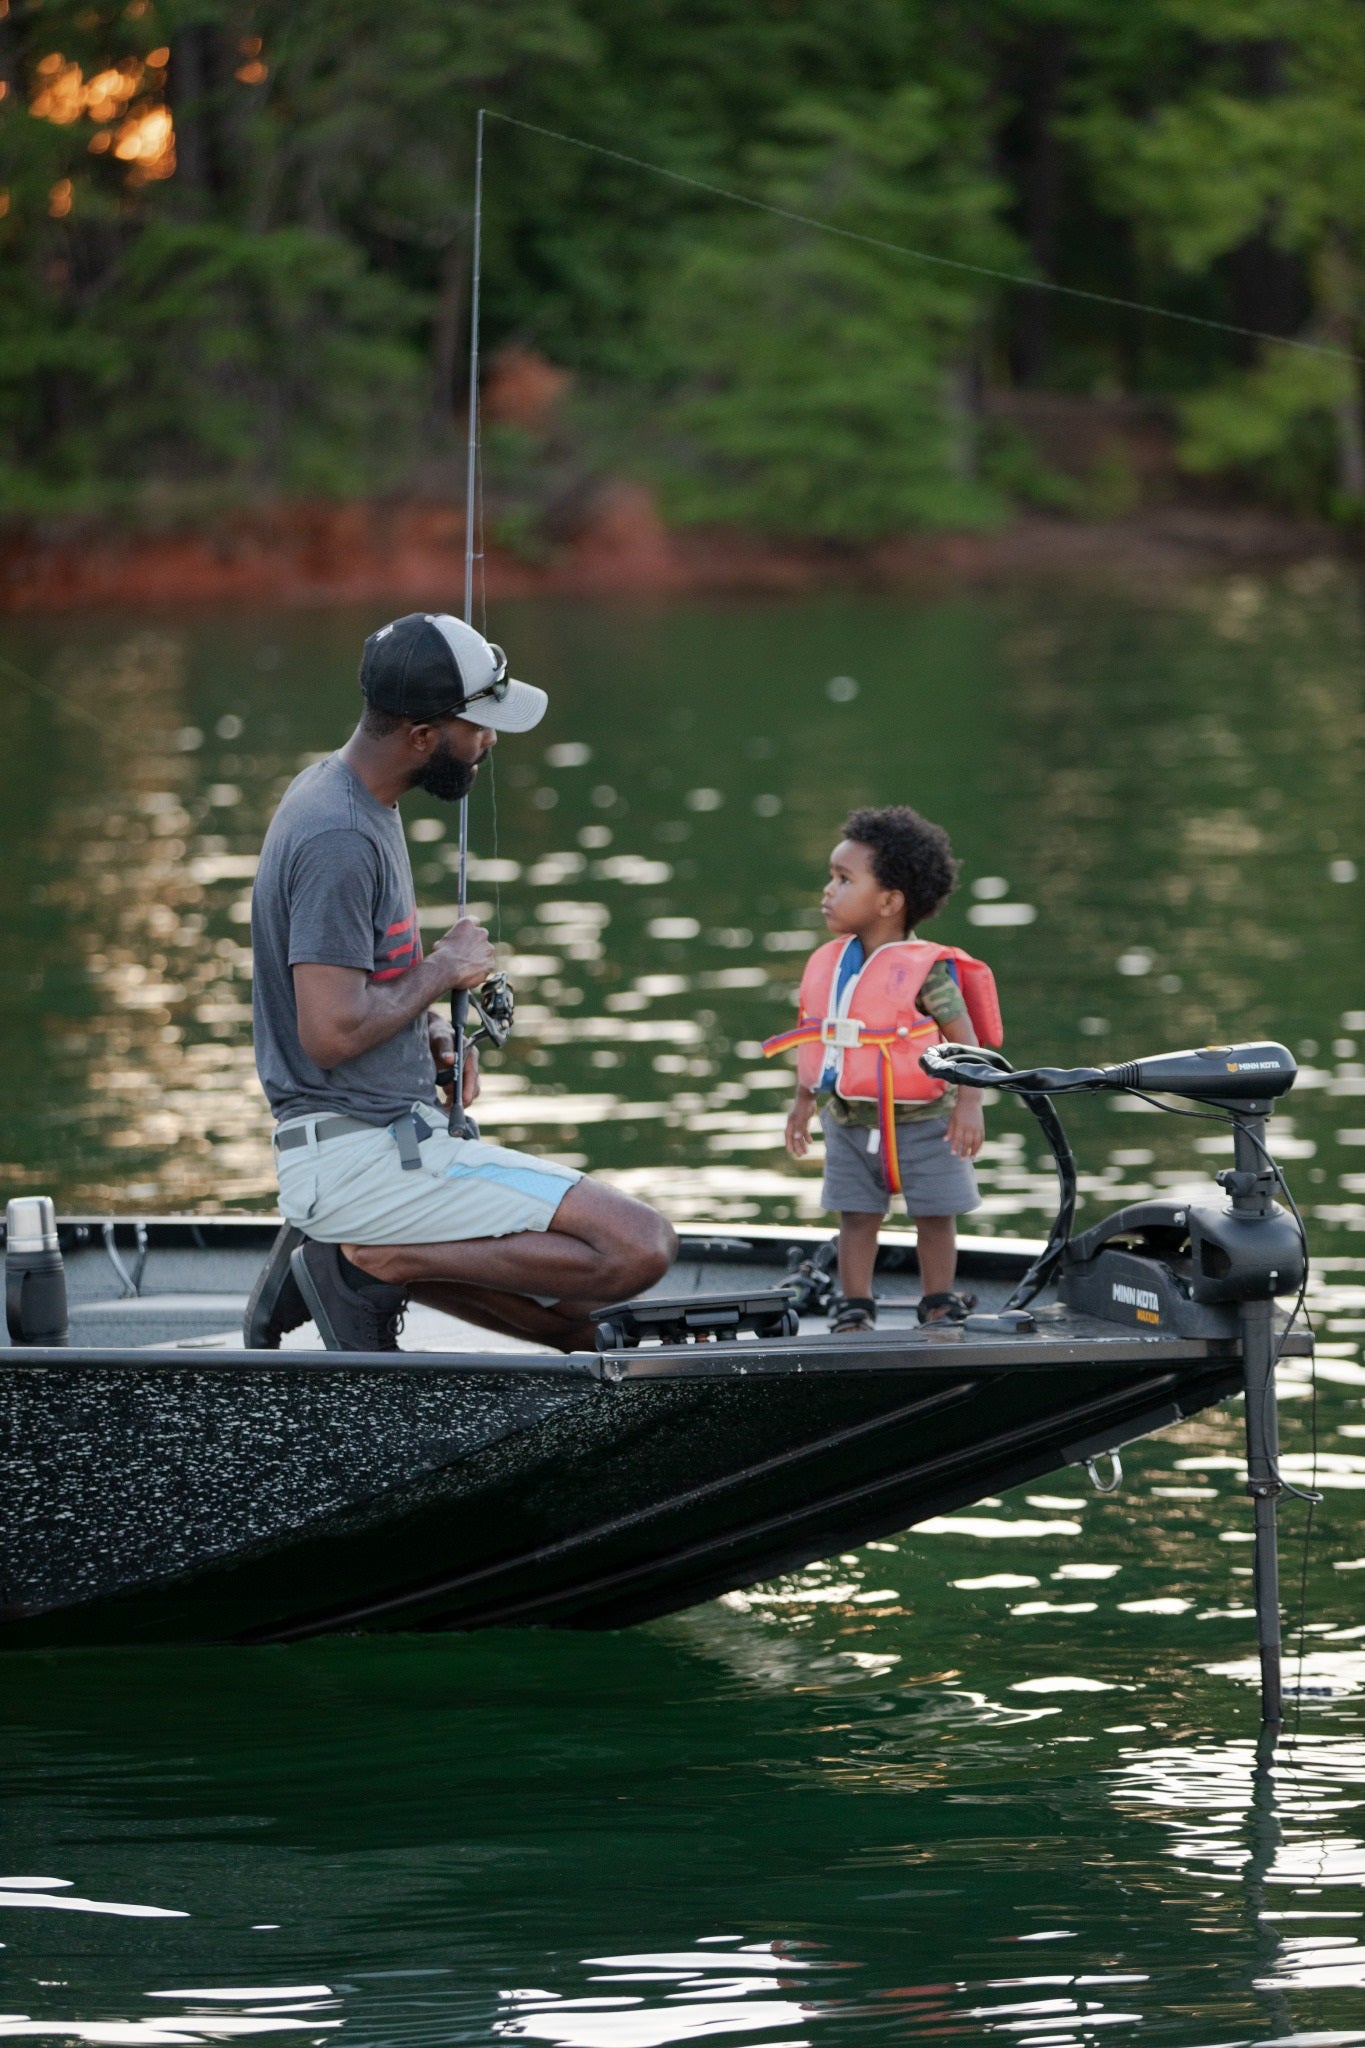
[{"x": 844, "y": 1033}]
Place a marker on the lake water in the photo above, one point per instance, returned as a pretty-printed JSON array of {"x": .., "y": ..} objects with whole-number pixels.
[{"x": 993, "y": 1780}]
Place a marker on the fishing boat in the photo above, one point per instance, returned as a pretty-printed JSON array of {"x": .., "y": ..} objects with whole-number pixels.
[{"x": 163, "y": 1483}]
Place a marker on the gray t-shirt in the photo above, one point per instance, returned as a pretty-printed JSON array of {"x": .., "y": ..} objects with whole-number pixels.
[{"x": 334, "y": 887}]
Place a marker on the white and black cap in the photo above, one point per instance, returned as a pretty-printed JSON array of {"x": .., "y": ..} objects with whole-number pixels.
[{"x": 430, "y": 665}]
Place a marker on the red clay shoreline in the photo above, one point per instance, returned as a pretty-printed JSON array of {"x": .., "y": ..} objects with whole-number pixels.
[{"x": 324, "y": 554}]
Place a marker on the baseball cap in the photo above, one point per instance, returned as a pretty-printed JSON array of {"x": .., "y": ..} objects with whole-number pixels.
[{"x": 431, "y": 665}]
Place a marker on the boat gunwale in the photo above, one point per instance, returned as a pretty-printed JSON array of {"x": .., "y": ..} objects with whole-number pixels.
[
  {"x": 186, "y": 1232},
  {"x": 881, "y": 1353}
]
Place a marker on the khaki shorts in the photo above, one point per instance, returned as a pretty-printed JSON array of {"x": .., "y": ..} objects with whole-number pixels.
[{"x": 355, "y": 1190}]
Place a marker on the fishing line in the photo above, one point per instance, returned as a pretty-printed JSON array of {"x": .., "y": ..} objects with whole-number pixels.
[
  {"x": 459, "y": 1001},
  {"x": 483, "y": 568},
  {"x": 497, "y": 882},
  {"x": 481, "y": 558},
  {"x": 1012, "y": 277},
  {"x": 32, "y": 684}
]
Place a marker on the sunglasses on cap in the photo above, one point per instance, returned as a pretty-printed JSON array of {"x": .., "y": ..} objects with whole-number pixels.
[
  {"x": 500, "y": 684},
  {"x": 497, "y": 689}
]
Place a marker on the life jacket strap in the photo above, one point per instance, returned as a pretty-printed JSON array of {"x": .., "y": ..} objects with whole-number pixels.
[
  {"x": 847, "y": 1033},
  {"x": 844, "y": 1034}
]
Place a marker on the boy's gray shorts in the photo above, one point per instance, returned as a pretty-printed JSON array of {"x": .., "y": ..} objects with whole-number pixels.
[{"x": 935, "y": 1180}]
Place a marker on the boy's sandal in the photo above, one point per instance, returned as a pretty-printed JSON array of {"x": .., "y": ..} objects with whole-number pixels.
[
  {"x": 956, "y": 1307},
  {"x": 851, "y": 1313}
]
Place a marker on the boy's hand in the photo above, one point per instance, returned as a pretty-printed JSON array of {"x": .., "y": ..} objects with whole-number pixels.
[
  {"x": 966, "y": 1132},
  {"x": 798, "y": 1124}
]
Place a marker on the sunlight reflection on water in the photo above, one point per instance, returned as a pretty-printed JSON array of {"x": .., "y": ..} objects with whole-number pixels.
[
  {"x": 917, "y": 1771},
  {"x": 647, "y": 982}
]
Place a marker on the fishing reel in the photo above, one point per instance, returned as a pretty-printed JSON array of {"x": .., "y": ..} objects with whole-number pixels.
[{"x": 495, "y": 1006}]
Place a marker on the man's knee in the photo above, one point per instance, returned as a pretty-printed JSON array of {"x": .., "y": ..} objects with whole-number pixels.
[
  {"x": 648, "y": 1249},
  {"x": 626, "y": 1235}
]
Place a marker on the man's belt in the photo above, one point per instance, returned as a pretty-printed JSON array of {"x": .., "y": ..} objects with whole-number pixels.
[{"x": 409, "y": 1131}]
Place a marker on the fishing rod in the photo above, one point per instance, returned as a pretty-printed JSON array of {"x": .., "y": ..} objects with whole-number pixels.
[{"x": 459, "y": 999}]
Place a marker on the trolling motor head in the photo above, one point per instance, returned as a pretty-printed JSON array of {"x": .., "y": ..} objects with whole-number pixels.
[{"x": 1225, "y": 1074}]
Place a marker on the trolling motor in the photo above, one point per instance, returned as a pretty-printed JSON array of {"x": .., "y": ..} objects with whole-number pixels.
[
  {"x": 1197, "y": 1261},
  {"x": 1182, "y": 1269}
]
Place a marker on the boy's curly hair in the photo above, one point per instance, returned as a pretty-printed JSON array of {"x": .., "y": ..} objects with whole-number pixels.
[{"x": 909, "y": 854}]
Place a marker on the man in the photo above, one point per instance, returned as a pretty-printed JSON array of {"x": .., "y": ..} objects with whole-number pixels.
[{"x": 347, "y": 1045}]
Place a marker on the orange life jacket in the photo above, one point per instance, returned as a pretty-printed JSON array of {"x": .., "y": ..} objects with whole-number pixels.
[{"x": 876, "y": 1044}]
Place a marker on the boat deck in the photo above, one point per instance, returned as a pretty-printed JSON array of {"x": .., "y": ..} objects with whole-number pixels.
[{"x": 192, "y": 1295}]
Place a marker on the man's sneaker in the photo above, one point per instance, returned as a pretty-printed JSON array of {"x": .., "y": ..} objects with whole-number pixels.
[
  {"x": 346, "y": 1319},
  {"x": 275, "y": 1304}
]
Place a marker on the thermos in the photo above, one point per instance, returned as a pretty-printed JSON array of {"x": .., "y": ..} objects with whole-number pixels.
[{"x": 35, "y": 1282}]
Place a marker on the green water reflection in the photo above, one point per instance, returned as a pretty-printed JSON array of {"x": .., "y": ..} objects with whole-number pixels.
[
  {"x": 994, "y": 1780},
  {"x": 1155, "y": 797}
]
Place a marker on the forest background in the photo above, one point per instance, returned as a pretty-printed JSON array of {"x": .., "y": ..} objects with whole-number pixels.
[{"x": 235, "y": 243}]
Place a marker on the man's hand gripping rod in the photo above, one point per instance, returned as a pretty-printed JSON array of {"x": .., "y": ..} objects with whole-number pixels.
[{"x": 494, "y": 1005}]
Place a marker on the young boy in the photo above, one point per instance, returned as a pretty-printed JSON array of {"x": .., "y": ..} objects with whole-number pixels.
[{"x": 891, "y": 871}]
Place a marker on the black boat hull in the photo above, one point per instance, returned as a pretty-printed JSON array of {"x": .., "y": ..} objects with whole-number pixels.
[
  {"x": 169, "y": 1496},
  {"x": 187, "y": 1491}
]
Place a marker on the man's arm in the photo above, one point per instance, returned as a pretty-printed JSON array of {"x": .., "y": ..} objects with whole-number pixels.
[{"x": 342, "y": 1012}]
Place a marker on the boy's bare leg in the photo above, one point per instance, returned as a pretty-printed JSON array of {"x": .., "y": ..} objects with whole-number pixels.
[
  {"x": 601, "y": 1246},
  {"x": 857, "y": 1253},
  {"x": 936, "y": 1237}
]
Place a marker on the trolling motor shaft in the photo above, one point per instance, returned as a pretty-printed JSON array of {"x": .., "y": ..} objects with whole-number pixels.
[{"x": 1251, "y": 1202}]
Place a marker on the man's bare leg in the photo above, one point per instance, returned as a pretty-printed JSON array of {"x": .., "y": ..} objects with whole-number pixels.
[
  {"x": 601, "y": 1246},
  {"x": 563, "y": 1324}
]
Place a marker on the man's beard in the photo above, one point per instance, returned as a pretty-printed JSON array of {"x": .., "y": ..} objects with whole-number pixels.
[{"x": 446, "y": 776}]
